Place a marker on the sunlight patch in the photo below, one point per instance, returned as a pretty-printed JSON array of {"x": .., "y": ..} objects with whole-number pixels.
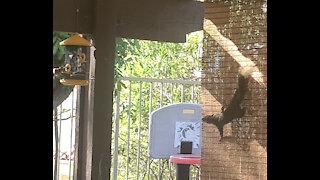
[{"x": 248, "y": 67}]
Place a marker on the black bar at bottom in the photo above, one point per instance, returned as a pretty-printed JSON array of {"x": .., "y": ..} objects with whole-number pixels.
[{"x": 182, "y": 172}]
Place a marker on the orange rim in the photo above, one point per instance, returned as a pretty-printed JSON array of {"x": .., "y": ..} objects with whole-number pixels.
[
  {"x": 67, "y": 68},
  {"x": 82, "y": 58}
]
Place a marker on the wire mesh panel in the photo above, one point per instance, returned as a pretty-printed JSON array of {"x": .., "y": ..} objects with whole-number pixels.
[{"x": 133, "y": 104}]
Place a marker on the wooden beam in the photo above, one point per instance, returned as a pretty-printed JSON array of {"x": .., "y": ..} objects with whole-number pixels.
[
  {"x": 104, "y": 34},
  {"x": 161, "y": 20},
  {"x": 166, "y": 20},
  {"x": 80, "y": 134},
  {"x": 84, "y": 124},
  {"x": 65, "y": 16}
]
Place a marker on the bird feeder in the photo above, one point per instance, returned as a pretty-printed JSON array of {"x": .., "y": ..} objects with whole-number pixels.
[{"x": 75, "y": 71}]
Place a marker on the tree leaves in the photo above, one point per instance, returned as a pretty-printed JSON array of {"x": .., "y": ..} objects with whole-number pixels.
[
  {"x": 58, "y": 51},
  {"x": 153, "y": 59}
]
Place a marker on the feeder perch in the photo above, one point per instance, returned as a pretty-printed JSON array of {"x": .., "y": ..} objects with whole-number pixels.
[{"x": 75, "y": 71}]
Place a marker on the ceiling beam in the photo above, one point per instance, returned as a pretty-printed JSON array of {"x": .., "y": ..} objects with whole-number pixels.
[
  {"x": 160, "y": 20},
  {"x": 166, "y": 20},
  {"x": 66, "y": 18}
]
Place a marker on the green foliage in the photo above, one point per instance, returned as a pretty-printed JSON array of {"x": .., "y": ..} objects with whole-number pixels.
[
  {"x": 161, "y": 60},
  {"x": 151, "y": 59},
  {"x": 58, "y": 51}
]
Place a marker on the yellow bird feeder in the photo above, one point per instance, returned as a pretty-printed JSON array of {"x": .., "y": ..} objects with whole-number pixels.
[{"x": 75, "y": 71}]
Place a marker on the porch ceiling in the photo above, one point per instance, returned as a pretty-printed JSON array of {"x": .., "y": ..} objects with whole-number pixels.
[{"x": 165, "y": 20}]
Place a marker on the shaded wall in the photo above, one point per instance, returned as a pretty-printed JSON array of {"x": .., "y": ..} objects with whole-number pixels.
[{"x": 242, "y": 152}]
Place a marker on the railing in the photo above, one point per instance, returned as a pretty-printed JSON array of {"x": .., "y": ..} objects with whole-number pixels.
[
  {"x": 133, "y": 106},
  {"x": 64, "y": 138}
]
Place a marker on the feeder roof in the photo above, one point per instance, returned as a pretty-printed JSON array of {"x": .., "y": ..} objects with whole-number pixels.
[{"x": 76, "y": 39}]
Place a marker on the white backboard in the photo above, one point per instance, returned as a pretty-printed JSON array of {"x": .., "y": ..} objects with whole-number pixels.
[{"x": 172, "y": 124}]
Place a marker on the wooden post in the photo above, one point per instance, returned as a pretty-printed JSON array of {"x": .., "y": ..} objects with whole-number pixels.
[
  {"x": 104, "y": 42},
  {"x": 80, "y": 134},
  {"x": 83, "y": 134}
]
